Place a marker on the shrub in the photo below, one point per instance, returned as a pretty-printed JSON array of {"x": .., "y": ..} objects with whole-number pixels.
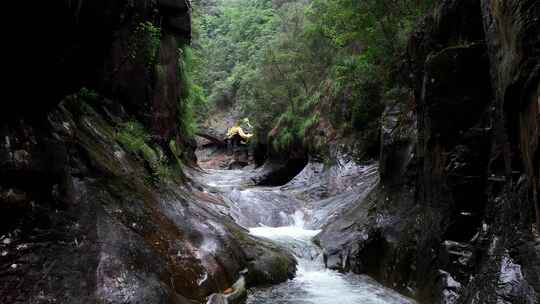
[
  {"x": 135, "y": 139},
  {"x": 193, "y": 100},
  {"x": 88, "y": 95},
  {"x": 145, "y": 43}
]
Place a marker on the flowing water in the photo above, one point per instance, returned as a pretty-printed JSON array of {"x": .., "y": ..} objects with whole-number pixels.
[
  {"x": 313, "y": 283},
  {"x": 291, "y": 216}
]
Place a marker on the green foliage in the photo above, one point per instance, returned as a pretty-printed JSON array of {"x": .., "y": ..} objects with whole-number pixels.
[
  {"x": 293, "y": 126},
  {"x": 368, "y": 37},
  {"x": 193, "y": 101},
  {"x": 176, "y": 151},
  {"x": 135, "y": 139},
  {"x": 144, "y": 44},
  {"x": 88, "y": 95},
  {"x": 133, "y": 136},
  {"x": 289, "y": 65}
]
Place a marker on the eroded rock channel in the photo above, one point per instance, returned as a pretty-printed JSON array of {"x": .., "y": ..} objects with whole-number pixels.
[
  {"x": 290, "y": 216},
  {"x": 102, "y": 201}
]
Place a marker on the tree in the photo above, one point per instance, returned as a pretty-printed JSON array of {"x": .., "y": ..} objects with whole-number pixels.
[{"x": 289, "y": 64}]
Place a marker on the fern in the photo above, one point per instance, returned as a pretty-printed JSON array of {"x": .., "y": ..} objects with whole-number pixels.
[{"x": 135, "y": 139}]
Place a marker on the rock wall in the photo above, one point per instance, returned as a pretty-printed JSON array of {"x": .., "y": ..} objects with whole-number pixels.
[
  {"x": 84, "y": 218},
  {"x": 98, "y": 45},
  {"x": 452, "y": 220}
]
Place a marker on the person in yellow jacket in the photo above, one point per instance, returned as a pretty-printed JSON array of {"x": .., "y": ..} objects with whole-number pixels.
[{"x": 237, "y": 130}]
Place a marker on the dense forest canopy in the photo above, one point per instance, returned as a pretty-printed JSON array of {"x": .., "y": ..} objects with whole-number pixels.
[{"x": 291, "y": 66}]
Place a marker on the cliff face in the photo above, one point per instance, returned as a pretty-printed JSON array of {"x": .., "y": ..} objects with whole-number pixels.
[
  {"x": 92, "y": 211},
  {"x": 102, "y": 46},
  {"x": 452, "y": 220}
]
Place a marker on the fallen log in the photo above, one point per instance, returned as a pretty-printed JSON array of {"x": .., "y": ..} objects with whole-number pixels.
[{"x": 214, "y": 139}]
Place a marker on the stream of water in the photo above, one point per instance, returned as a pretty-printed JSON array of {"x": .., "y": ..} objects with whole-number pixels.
[
  {"x": 291, "y": 216},
  {"x": 314, "y": 284}
]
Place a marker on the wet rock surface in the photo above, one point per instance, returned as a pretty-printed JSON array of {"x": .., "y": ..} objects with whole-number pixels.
[
  {"x": 452, "y": 219},
  {"x": 317, "y": 195},
  {"x": 97, "y": 230},
  {"x": 84, "y": 218}
]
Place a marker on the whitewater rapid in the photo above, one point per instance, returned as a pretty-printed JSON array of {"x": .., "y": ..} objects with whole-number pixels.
[{"x": 314, "y": 284}]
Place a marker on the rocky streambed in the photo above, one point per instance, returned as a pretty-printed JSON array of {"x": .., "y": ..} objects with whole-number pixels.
[{"x": 291, "y": 215}]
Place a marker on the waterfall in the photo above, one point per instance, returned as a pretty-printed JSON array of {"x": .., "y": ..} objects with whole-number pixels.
[{"x": 313, "y": 282}]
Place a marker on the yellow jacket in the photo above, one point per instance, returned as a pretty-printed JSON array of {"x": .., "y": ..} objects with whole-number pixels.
[{"x": 238, "y": 130}]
